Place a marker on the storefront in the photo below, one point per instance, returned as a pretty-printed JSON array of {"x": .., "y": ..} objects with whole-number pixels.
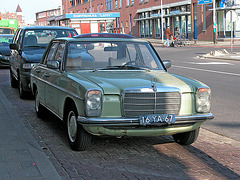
[
  {"x": 176, "y": 14},
  {"x": 224, "y": 25},
  {"x": 88, "y": 22}
]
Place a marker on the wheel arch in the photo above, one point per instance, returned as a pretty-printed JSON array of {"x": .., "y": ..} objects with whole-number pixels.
[{"x": 68, "y": 101}]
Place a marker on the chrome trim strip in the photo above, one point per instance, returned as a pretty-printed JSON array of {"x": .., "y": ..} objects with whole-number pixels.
[{"x": 135, "y": 121}]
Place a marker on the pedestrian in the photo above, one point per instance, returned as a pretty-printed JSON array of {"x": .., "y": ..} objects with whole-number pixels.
[
  {"x": 177, "y": 37},
  {"x": 167, "y": 34}
]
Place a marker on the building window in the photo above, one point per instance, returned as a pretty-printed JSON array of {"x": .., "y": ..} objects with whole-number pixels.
[
  {"x": 120, "y": 3},
  {"x": 78, "y": 2},
  {"x": 127, "y": 3},
  {"x": 116, "y": 4},
  {"x": 84, "y": 1},
  {"x": 108, "y": 5},
  {"x": 146, "y": 1},
  {"x": 72, "y": 2},
  {"x": 132, "y": 2},
  {"x": 141, "y": 1},
  {"x": 126, "y": 24}
]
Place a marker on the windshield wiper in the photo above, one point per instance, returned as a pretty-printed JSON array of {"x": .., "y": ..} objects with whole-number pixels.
[
  {"x": 35, "y": 46},
  {"x": 127, "y": 67}
]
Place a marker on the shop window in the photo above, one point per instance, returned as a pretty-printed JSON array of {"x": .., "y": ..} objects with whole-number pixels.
[{"x": 204, "y": 17}]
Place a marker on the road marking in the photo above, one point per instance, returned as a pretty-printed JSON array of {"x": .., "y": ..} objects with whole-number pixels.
[
  {"x": 206, "y": 70},
  {"x": 212, "y": 63}
]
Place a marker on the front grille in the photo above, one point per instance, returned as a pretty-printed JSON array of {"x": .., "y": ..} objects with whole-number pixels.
[{"x": 136, "y": 102}]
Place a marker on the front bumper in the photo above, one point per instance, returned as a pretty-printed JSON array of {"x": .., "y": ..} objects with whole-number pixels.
[{"x": 118, "y": 122}]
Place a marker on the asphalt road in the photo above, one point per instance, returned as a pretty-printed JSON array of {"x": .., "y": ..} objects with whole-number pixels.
[{"x": 223, "y": 77}]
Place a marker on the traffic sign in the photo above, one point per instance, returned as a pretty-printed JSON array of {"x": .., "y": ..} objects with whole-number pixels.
[
  {"x": 204, "y": 1},
  {"x": 231, "y": 16}
]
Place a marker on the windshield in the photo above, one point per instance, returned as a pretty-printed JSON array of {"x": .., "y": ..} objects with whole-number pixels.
[
  {"x": 5, "y": 40},
  {"x": 117, "y": 55},
  {"x": 41, "y": 38},
  {"x": 6, "y": 31}
]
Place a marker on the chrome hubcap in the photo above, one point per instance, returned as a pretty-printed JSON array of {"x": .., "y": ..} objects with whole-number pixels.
[{"x": 72, "y": 126}]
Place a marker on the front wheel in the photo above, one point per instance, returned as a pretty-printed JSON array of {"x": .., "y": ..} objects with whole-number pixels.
[
  {"x": 22, "y": 93},
  {"x": 39, "y": 108},
  {"x": 186, "y": 138},
  {"x": 78, "y": 138},
  {"x": 13, "y": 81}
]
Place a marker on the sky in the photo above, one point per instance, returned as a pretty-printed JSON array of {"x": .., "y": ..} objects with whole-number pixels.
[{"x": 29, "y": 7}]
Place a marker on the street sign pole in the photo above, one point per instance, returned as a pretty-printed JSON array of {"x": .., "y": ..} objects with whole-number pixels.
[
  {"x": 162, "y": 19},
  {"x": 214, "y": 21},
  {"x": 231, "y": 17}
]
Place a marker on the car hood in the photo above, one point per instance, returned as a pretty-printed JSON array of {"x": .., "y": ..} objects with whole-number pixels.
[
  {"x": 33, "y": 55},
  {"x": 5, "y": 50},
  {"x": 113, "y": 82}
]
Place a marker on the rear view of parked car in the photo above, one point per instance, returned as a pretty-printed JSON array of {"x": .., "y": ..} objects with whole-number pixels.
[
  {"x": 28, "y": 46},
  {"x": 116, "y": 85},
  {"x": 5, "y": 40}
]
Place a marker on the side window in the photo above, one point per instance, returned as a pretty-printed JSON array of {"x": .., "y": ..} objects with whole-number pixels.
[
  {"x": 16, "y": 36},
  {"x": 60, "y": 52},
  {"x": 51, "y": 53},
  {"x": 19, "y": 38}
]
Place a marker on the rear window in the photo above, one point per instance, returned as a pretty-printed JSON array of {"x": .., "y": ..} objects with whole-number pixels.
[{"x": 41, "y": 38}]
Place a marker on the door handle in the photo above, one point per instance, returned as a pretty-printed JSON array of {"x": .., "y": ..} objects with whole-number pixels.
[{"x": 46, "y": 75}]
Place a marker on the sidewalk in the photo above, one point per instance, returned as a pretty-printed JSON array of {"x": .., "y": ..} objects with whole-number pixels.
[{"x": 21, "y": 157}]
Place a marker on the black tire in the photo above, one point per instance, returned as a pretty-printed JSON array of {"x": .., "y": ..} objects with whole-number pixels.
[
  {"x": 13, "y": 81},
  {"x": 22, "y": 93},
  {"x": 186, "y": 138},
  {"x": 78, "y": 138},
  {"x": 39, "y": 109}
]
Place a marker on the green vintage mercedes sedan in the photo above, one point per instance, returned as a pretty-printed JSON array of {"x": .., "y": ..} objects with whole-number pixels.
[{"x": 116, "y": 85}]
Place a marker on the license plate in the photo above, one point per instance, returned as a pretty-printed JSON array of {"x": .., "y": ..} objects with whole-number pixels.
[{"x": 155, "y": 119}]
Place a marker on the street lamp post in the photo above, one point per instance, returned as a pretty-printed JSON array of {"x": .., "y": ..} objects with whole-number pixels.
[{"x": 162, "y": 20}]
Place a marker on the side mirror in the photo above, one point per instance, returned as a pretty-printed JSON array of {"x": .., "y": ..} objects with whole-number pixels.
[
  {"x": 13, "y": 46},
  {"x": 89, "y": 46},
  {"x": 167, "y": 64},
  {"x": 53, "y": 64}
]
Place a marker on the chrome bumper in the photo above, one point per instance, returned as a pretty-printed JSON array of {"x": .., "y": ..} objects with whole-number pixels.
[{"x": 136, "y": 122}]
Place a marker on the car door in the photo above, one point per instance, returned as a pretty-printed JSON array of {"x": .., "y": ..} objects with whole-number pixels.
[
  {"x": 40, "y": 72},
  {"x": 52, "y": 77},
  {"x": 15, "y": 54}
]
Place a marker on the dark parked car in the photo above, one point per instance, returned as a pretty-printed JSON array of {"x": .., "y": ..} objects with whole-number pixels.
[
  {"x": 29, "y": 44},
  {"x": 5, "y": 39}
]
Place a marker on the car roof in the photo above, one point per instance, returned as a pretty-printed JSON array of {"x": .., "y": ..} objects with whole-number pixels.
[
  {"x": 46, "y": 27},
  {"x": 101, "y": 37}
]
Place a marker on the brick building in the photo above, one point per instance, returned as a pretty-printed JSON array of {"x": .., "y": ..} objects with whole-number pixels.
[
  {"x": 43, "y": 18},
  {"x": 149, "y": 18},
  {"x": 18, "y": 15}
]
